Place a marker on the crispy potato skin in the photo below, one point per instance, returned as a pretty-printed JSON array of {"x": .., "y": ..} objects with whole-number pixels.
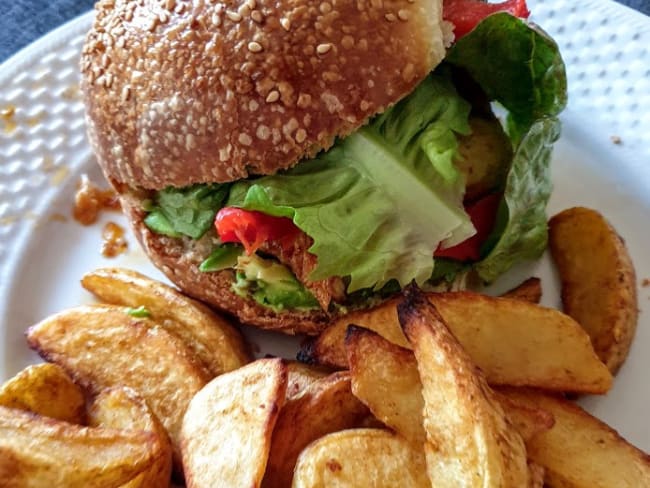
[
  {"x": 41, "y": 452},
  {"x": 47, "y": 390},
  {"x": 580, "y": 451},
  {"x": 598, "y": 281},
  {"x": 227, "y": 428},
  {"x": 514, "y": 342},
  {"x": 123, "y": 408},
  {"x": 469, "y": 439},
  {"x": 361, "y": 458},
  {"x": 326, "y": 406},
  {"x": 529, "y": 290},
  {"x": 127, "y": 351},
  {"x": 214, "y": 341}
]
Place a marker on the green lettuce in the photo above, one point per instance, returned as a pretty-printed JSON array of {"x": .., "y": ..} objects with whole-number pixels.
[
  {"x": 380, "y": 202},
  {"x": 521, "y": 230},
  {"x": 517, "y": 65},
  {"x": 188, "y": 211},
  {"x": 520, "y": 67}
]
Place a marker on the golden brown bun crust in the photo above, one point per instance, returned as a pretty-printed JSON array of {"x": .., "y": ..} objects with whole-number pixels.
[
  {"x": 181, "y": 266},
  {"x": 193, "y": 91}
]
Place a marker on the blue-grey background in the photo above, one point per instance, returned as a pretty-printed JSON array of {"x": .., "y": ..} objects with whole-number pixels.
[{"x": 23, "y": 21}]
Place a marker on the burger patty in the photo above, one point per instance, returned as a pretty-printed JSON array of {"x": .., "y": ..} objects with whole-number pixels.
[{"x": 296, "y": 256}]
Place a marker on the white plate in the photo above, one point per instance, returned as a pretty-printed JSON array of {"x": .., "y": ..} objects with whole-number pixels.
[{"x": 605, "y": 47}]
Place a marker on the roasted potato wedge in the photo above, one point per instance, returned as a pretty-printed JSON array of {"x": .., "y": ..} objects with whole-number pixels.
[
  {"x": 385, "y": 377},
  {"x": 227, "y": 428},
  {"x": 217, "y": 344},
  {"x": 123, "y": 408},
  {"x": 514, "y": 342},
  {"x": 470, "y": 441},
  {"x": 580, "y": 451},
  {"x": 38, "y": 451},
  {"x": 326, "y": 406},
  {"x": 598, "y": 281},
  {"x": 101, "y": 346},
  {"x": 300, "y": 377},
  {"x": 47, "y": 390},
  {"x": 372, "y": 458},
  {"x": 529, "y": 290}
]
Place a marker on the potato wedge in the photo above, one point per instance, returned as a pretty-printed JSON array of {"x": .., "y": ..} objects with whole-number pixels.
[
  {"x": 101, "y": 346},
  {"x": 598, "y": 281},
  {"x": 47, "y": 390},
  {"x": 41, "y": 452},
  {"x": 123, "y": 408},
  {"x": 300, "y": 377},
  {"x": 470, "y": 441},
  {"x": 219, "y": 346},
  {"x": 529, "y": 290},
  {"x": 372, "y": 458},
  {"x": 227, "y": 428},
  {"x": 580, "y": 451},
  {"x": 385, "y": 377},
  {"x": 514, "y": 342},
  {"x": 327, "y": 405}
]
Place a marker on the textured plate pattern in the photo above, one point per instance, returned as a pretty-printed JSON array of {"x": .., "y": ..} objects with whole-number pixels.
[
  {"x": 606, "y": 47},
  {"x": 42, "y": 133}
]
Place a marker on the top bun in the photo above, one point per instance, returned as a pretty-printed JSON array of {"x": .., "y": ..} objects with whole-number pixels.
[{"x": 179, "y": 92}]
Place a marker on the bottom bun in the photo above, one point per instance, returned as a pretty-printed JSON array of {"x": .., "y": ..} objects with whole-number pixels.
[{"x": 179, "y": 259}]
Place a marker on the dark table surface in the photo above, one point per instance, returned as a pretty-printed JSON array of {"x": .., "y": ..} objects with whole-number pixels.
[{"x": 23, "y": 21}]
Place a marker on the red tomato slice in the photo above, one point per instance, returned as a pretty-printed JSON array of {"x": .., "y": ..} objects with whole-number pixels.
[
  {"x": 483, "y": 214},
  {"x": 251, "y": 228},
  {"x": 466, "y": 14}
]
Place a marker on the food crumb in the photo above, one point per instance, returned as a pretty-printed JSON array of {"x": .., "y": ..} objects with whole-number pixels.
[
  {"x": 616, "y": 140},
  {"x": 113, "y": 243},
  {"x": 90, "y": 200},
  {"x": 645, "y": 282},
  {"x": 58, "y": 217},
  {"x": 7, "y": 115},
  {"x": 59, "y": 175}
]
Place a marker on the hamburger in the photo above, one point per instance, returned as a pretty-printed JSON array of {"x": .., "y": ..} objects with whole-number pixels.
[{"x": 288, "y": 161}]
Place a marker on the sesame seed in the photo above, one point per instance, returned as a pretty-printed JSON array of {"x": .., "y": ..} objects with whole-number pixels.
[
  {"x": 301, "y": 135},
  {"x": 256, "y": 15},
  {"x": 323, "y": 48},
  {"x": 170, "y": 4},
  {"x": 251, "y": 4},
  {"x": 234, "y": 16},
  {"x": 403, "y": 15},
  {"x": 126, "y": 93},
  {"x": 216, "y": 20},
  {"x": 285, "y": 23},
  {"x": 120, "y": 43},
  {"x": 390, "y": 17},
  {"x": 245, "y": 139},
  {"x": 254, "y": 47},
  {"x": 325, "y": 7},
  {"x": 163, "y": 17},
  {"x": 273, "y": 96},
  {"x": 244, "y": 10}
]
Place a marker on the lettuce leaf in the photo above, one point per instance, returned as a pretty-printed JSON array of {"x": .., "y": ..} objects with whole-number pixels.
[
  {"x": 379, "y": 202},
  {"x": 516, "y": 64},
  {"x": 186, "y": 211},
  {"x": 519, "y": 66},
  {"x": 521, "y": 230}
]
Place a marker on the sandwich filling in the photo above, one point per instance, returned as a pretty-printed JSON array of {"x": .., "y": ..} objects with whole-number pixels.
[{"x": 433, "y": 188}]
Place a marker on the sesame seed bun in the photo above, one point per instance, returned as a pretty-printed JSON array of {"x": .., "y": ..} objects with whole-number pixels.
[{"x": 179, "y": 92}]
